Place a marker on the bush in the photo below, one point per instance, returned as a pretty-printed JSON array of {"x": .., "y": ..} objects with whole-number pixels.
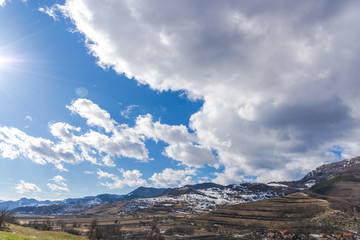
[
  {"x": 72, "y": 231},
  {"x": 6, "y": 217},
  {"x": 44, "y": 226},
  {"x": 181, "y": 230}
]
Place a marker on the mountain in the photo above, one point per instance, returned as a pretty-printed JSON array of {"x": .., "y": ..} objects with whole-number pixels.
[
  {"x": 329, "y": 203},
  {"x": 31, "y": 205},
  {"x": 326, "y": 171},
  {"x": 26, "y": 202},
  {"x": 95, "y": 199},
  {"x": 147, "y": 192},
  {"x": 204, "y": 196},
  {"x": 184, "y": 190},
  {"x": 205, "y": 185},
  {"x": 193, "y": 198},
  {"x": 340, "y": 185}
]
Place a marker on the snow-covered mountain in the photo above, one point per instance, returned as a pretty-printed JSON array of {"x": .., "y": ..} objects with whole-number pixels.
[
  {"x": 26, "y": 202},
  {"x": 195, "y": 198},
  {"x": 86, "y": 201},
  {"x": 326, "y": 172},
  {"x": 198, "y": 197}
]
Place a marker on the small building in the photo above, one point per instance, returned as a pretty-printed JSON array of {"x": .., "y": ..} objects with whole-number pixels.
[{"x": 347, "y": 235}]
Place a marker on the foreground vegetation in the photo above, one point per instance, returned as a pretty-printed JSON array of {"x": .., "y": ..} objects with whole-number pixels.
[{"x": 16, "y": 232}]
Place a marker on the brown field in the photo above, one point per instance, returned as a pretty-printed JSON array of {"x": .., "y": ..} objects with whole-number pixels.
[
  {"x": 294, "y": 212},
  {"x": 298, "y": 213}
]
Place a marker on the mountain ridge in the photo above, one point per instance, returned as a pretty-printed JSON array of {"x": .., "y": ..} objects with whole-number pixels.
[{"x": 215, "y": 194}]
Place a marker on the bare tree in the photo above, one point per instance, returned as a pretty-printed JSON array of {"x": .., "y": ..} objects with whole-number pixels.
[
  {"x": 6, "y": 217},
  {"x": 95, "y": 231},
  {"x": 62, "y": 224},
  {"x": 92, "y": 228}
]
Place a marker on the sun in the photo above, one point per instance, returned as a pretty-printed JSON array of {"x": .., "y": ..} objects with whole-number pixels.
[{"x": 8, "y": 62}]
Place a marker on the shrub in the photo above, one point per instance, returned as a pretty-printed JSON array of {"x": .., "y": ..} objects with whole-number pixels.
[
  {"x": 6, "y": 217},
  {"x": 180, "y": 230},
  {"x": 72, "y": 231}
]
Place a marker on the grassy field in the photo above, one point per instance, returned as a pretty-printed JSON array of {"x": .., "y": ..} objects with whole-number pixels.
[{"x": 22, "y": 233}]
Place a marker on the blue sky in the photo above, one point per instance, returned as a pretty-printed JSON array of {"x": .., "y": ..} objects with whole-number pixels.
[
  {"x": 51, "y": 64},
  {"x": 103, "y": 97}
]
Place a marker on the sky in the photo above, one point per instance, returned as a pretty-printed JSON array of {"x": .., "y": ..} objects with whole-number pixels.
[{"x": 106, "y": 96}]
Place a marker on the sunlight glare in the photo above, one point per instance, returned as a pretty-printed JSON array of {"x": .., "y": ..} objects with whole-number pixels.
[{"x": 8, "y": 62}]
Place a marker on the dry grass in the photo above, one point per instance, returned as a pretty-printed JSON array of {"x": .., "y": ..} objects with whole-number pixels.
[
  {"x": 276, "y": 213},
  {"x": 22, "y": 233}
]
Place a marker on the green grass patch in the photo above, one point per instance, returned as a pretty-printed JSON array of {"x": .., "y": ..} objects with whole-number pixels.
[
  {"x": 323, "y": 187},
  {"x": 22, "y": 233}
]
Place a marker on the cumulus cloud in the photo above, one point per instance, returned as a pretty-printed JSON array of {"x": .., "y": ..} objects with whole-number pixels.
[
  {"x": 94, "y": 115},
  {"x": 25, "y": 187},
  {"x": 279, "y": 80},
  {"x": 183, "y": 146},
  {"x": 173, "y": 178},
  {"x": 131, "y": 178},
  {"x": 15, "y": 143},
  {"x": 75, "y": 145},
  {"x": 58, "y": 184}
]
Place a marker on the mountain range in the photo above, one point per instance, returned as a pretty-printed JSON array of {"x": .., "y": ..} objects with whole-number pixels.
[{"x": 326, "y": 179}]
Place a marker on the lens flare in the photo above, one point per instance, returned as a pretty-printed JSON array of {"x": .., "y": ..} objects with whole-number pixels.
[
  {"x": 82, "y": 92},
  {"x": 8, "y": 62}
]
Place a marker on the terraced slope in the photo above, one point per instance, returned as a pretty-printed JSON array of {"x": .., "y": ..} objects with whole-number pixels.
[{"x": 287, "y": 212}]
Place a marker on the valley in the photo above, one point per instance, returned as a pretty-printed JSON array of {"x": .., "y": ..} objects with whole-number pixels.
[{"x": 325, "y": 201}]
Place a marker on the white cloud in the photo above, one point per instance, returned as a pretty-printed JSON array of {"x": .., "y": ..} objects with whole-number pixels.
[
  {"x": 74, "y": 145},
  {"x": 173, "y": 178},
  {"x": 126, "y": 113},
  {"x": 15, "y": 143},
  {"x": 108, "y": 161},
  {"x": 191, "y": 155},
  {"x": 59, "y": 184},
  {"x": 131, "y": 178},
  {"x": 58, "y": 179},
  {"x": 258, "y": 66},
  {"x": 28, "y": 118},
  {"x": 2, "y": 3},
  {"x": 94, "y": 115},
  {"x": 183, "y": 146},
  {"x": 25, "y": 187}
]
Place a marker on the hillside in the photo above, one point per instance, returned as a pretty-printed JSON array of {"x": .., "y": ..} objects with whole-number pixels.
[
  {"x": 326, "y": 202},
  {"x": 209, "y": 196},
  {"x": 326, "y": 171},
  {"x": 297, "y": 212},
  {"x": 193, "y": 198},
  {"x": 22, "y": 233},
  {"x": 342, "y": 190}
]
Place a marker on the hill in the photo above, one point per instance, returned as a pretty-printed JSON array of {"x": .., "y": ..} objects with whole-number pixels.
[
  {"x": 193, "y": 198},
  {"x": 297, "y": 213},
  {"x": 22, "y": 233},
  {"x": 208, "y": 196},
  {"x": 325, "y": 201}
]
